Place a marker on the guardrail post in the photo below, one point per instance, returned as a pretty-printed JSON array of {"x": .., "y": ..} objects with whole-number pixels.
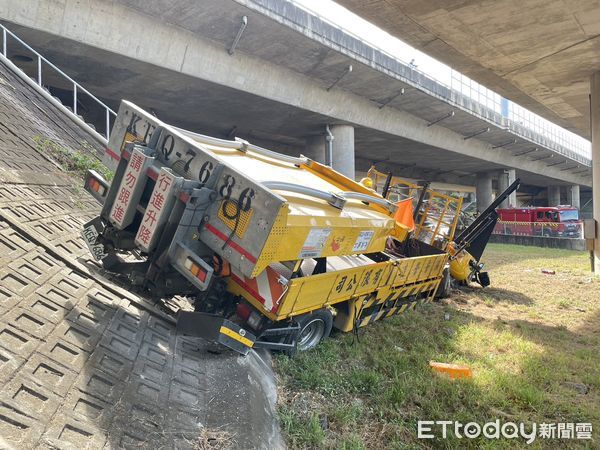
[
  {"x": 107, "y": 123},
  {"x": 74, "y": 98},
  {"x": 39, "y": 74}
]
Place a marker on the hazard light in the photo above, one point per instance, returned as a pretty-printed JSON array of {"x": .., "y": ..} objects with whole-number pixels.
[
  {"x": 195, "y": 269},
  {"x": 191, "y": 266},
  {"x": 96, "y": 185}
]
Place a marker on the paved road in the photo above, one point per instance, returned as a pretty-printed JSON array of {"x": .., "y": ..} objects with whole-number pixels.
[{"x": 84, "y": 363}]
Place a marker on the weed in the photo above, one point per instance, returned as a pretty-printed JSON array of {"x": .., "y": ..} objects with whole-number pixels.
[
  {"x": 75, "y": 161},
  {"x": 347, "y": 413},
  {"x": 303, "y": 431},
  {"x": 564, "y": 304},
  {"x": 351, "y": 442}
]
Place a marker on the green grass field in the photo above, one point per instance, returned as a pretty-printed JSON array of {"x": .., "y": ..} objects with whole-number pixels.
[{"x": 531, "y": 339}]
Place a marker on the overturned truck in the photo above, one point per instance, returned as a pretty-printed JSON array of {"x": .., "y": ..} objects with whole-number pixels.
[{"x": 273, "y": 250}]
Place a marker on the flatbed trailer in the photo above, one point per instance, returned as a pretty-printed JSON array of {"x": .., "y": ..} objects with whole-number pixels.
[{"x": 274, "y": 250}]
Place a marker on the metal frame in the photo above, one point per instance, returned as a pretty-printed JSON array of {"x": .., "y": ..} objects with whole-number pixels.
[
  {"x": 346, "y": 72},
  {"x": 333, "y": 199},
  {"x": 77, "y": 88},
  {"x": 429, "y": 200},
  {"x": 238, "y": 36}
]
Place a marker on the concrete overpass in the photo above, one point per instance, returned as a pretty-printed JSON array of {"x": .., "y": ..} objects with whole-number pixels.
[
  {"x": 544, "y": 55},
  {"x": 538, "y": 53},
  {"x": 287, "y": 78}
]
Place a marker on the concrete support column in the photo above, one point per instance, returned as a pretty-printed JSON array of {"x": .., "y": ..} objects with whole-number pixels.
[
  {"x": 573, "y": 198},
  {"x": 553, "y": 195},
  {"x": 505, "y": 179},
  {"x": 316, "y": 148},
  {"x": 595, "y": 124},
  {"x": 502, "y": 185},
  {"x": 483, "y": 191},
  {"x": 343, "y": 149},
  {"x": 512, "y": 198}
]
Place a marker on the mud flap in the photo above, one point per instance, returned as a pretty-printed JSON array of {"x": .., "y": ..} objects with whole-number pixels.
[
  {"x": 483, "y": 278},
  {"x": 214, "y": 328}
]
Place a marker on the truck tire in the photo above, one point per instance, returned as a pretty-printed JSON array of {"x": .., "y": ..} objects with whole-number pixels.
[
  {"x": 445, "y": 284},
  {"x": 314, "y": 327}
]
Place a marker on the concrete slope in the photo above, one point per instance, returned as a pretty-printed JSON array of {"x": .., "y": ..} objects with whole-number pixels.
[{"x": 83, "y": 362}]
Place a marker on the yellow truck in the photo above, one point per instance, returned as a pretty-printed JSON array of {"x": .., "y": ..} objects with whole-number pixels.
[{"x": 273, "y": 250}]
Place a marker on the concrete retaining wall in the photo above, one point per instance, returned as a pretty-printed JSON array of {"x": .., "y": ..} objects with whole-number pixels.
[{"x": 538, "y": 241}]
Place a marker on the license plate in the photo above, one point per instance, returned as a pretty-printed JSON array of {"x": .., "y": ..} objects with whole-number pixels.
[{"x": 90, "y": 235}]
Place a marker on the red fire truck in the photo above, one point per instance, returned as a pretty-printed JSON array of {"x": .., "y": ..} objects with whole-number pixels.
[{"x": 551, "y": 221}]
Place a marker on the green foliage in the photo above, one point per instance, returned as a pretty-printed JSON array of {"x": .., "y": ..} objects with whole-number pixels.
[
  {"x": 78, "y": 161},
  {"x": 304, "y": 431}
]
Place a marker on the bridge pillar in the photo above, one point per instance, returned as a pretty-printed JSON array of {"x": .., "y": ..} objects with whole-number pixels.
[
  {"x": 316, "y": 148},
  {"x": 505, "y": 179},
  {"x": 553, "y": 195},
  {"x": 573, "y": 196},
  {"x": 595, "y": 124},
  {"x": 502, "y": 185},
  {"x": 483, "y": 190},
  {"x": 343, "y": 149},
  {"x": 512, "y": 176}
]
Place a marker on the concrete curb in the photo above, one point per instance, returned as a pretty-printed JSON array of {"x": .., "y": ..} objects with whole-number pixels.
[{"x": 537, "y": 241}]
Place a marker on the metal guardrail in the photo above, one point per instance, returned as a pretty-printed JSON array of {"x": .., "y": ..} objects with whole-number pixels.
[
  {"x": 77, "y": 89},
  {"x": 565, "y": 230},
  {"x": 462, "y": 92}
]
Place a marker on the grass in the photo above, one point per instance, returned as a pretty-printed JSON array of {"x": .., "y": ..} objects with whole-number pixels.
[
  {"x": 77, "y": 162},
  {"x": 532, "y": 340}
]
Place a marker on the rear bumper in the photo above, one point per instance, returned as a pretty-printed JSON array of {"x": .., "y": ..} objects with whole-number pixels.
[
  {"x": 218, "y": 330},
  {"x": 215, "y": 329}
]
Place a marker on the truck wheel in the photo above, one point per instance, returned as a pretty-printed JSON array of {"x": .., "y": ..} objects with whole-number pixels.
[
  {"x": 444, "y": 288},
  {"x": 314, "y": 327}
]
